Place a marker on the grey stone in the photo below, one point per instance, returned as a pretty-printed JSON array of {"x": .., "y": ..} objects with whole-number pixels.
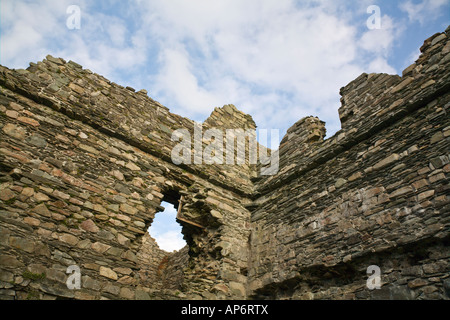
[
  {"x": 439, "y": 162},
  {"x": 14, "y": 131},
  {"x": 381, "y": 294},
  {"x": 112, "y": 289},
  {"x": 340, "y": 182},
  {"x": 142, "y": 295},
  {"x": 6, "y": 276},
  {"x": 57, "y": 290},
  {"x": 438, "y": 39},
  {"x": 401, "y": 293},
  {"x": 10, "y": 261},
  {"x": 89, "y": 283},
  {"x": 121, "y": 188},
  {"x": 58, "y": 61},
  {"x": 165, "y": 129},
  {"x": 22, "y": 244},
  {"x": 446, "y": 285},
  {"x": 56, "y": 275}
]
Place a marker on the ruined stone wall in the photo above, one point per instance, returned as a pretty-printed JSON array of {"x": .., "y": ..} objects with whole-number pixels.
[
  {"x": 161, "y": 269},
  {"x": 376, "y": 193},
  {"x": 85, "y": 164}
]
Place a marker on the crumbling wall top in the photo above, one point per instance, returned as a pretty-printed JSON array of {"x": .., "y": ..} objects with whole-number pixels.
[
  {"x": 370, "y": 103},
  {"x": 121, "y": 112}
]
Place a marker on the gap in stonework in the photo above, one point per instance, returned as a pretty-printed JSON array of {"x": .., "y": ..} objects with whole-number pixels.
[{"x": 166, "y": 230}]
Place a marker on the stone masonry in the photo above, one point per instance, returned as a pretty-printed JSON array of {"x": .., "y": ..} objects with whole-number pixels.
[{"x": 85, "y": 164}]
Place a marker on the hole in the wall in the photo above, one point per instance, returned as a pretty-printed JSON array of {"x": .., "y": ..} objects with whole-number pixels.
[{"x": 166, "y": 230}]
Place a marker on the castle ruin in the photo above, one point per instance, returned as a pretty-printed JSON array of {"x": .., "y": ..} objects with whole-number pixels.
[{"x": 85, "y": 164}]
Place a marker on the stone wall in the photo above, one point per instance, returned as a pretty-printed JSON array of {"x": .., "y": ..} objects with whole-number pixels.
[
  {"x": 85, "y": 164},
  {"x": 376, "y": 193},
  {"x": 160, "y": 269}
]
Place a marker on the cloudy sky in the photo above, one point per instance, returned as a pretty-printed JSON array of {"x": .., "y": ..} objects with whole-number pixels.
[
  {"x": 166, "y": 231},
  {"x": 278, "y": 60}
]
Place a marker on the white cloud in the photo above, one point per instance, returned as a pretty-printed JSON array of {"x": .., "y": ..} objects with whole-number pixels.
[
  {"x": 380, "y": 41},
  {"x": 271, "y": 59},
  {"x": 378, "y": 44},
  {"x": 166, "y": 231},
  {"x": 117, "y": 33},
  {"x": 21, "y": 38},
  {"x": 25, "y": 27},
  {"x": 423, "y": 10},
  {"x": 177, "y": 81},
  {"x": 380, "y": 65},
  {"x": 32, "y": 29},
  {"x": 169, "y": 241},
  {"x": 413, "y": 56}
]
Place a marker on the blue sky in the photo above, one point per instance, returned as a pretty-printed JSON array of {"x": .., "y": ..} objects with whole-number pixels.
[{"x": 278, "y": 60}]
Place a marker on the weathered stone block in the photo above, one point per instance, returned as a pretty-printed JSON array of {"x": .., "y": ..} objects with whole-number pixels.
[
  {"x": 390, "y": 159},
  {"x": 142, "y": 295},
  {"x": 69, "y": 239},
  {"x": 417, "y": 283},
  {"x": 89, "y": 225},
  {"x": 14, "y": 131},
  {"x": 22, "y": 243},
  {"x": 237, "y": 289},
  {"x": 126, "y": 293},
  {"x": 29, "y": 121},
  {"x": 100, "y": 247},
  {"x": 10, "y": 261},
  {"x": 108, "y": 273},
  {"x": 126, "y": 208}
]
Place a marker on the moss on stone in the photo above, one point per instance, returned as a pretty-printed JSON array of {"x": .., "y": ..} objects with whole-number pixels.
[
  {"x": 33, "y": 295},
  {"x": 33, "y": 276}
]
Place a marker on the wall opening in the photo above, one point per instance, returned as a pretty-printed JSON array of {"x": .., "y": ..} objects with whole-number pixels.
[
  {"x": 166, "y": 230},
  {"x": 163, "y": 255}
]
